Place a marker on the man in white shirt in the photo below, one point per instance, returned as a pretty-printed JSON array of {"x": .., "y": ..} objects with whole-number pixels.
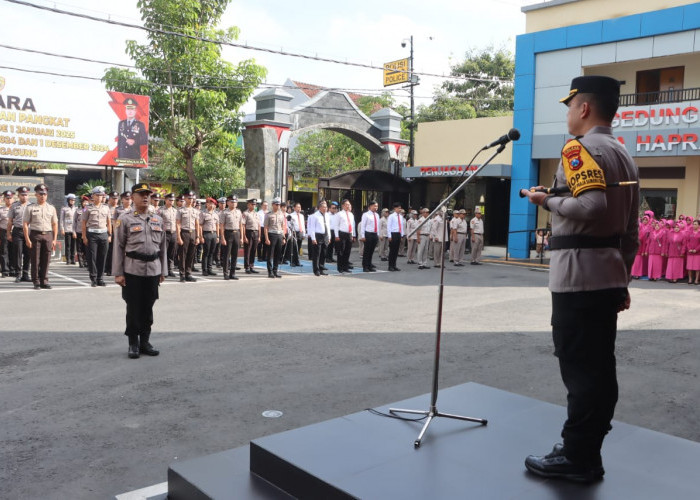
[
  {"x": 437, "y": 234},
  {"x": 396, "y": 229},
  {"x": 297, "y": 226},
  {"x": 332, "y": 213},
  {"x": 319, "y": 230},
  {"x": 263, "y": 249},
  {"x": 369, "y": 234},
  {"x": 477, "y": 227},
  {"x": 344, "y": 236}
]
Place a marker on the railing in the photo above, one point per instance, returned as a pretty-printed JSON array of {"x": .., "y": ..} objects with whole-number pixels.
[{"x": 660, "y": 97}]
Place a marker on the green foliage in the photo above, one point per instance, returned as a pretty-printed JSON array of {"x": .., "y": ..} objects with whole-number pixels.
[
  {"x": 87, "y": 186},
  {"x": 491, "y": 97},
  {"x": 195, "y": 94},
  {"x": 444, "y": 107},
  {"x": 322, "y": 153}
]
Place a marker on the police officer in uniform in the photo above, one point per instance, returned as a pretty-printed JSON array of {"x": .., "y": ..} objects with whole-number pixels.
[
  {"x": 594, "y": 243},
  {"x": 187, "y": 227},
  {"x": 169, "y": 215},
  {"x": 125, "y": 205},
  {"x": 40, "y": 235},
  {"x": 230, "y": 229},
  {"x": 423, "y": 238},
  {"x": 65, "y": 226},
  {"x": 140, "y": 265},
  {"x": 4, "y": 244},
  {"x": 275, "y": 229},
  {"x": 113, "y": 204},
  {"x": 15, "y": 234},
  {"x": 209, "y": 234},
  {"x": 131, "y": 133},
  {"x": 78, "y": 231},
  {"x": 251, "y": 223},
  {"x": 97, "y": 233}
]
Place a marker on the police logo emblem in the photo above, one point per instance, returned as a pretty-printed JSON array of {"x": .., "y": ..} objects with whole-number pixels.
[{"x": 573, "y": 156}]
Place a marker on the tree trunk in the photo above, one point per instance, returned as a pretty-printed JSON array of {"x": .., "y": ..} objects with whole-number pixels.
[{"x": 189, "y": 168}]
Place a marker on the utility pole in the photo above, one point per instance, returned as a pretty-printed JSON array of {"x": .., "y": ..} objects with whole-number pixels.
[{"x": 412, "y": 124}]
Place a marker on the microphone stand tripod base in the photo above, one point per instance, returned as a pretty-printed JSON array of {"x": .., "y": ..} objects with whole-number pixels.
[{"x": 431, "y": 414}]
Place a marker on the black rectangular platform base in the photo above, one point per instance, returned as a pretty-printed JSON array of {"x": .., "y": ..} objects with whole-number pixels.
[{"x": 366, "y": 456}]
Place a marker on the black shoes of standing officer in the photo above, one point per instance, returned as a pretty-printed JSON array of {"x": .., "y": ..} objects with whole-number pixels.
[
  {"x": 556, "y": 465},
  {"x": 394, "y": 269},
  {"x": 147, "y": 349},
  {"x": 133, "y": 351}
]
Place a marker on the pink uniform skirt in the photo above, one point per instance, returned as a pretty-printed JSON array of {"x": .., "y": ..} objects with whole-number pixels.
[
  {"x": 656, "y": 267},
  {"x": 693, "y": 263},
  {"x": 674, "y": 268},
  {"x": 639, "y": 267}
]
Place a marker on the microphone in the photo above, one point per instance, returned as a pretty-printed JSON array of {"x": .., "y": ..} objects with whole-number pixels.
[{"x": 512, "y": 135}]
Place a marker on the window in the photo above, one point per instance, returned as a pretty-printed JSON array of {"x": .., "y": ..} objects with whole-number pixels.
[
  {"x": 659, "y": 85},
  {"x": 660, "y": 201}
]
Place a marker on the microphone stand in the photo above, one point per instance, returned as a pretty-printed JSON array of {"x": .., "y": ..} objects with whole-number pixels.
[{"x": 433, "y": 412}]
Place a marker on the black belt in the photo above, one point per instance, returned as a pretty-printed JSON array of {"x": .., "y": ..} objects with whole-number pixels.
[
  {"x": 189, "y": 231},
  {"x": 208, "y": 232},
  {"x": 583, "y": 241},
  {"x": 36, "y": 231},
  {"x": 142, "y": 256},
  {"x": 234, "y": 230}
]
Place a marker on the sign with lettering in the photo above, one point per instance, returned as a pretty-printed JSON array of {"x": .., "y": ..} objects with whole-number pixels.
[
  {"x": 45, "y": 122},
  {"x": 396, "y": 72}
]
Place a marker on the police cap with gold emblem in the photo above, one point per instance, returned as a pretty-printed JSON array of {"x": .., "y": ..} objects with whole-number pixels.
[
  {"x": 155, "y": 196},
  {"x": 41, "y": 189},
  {"x": 8, "y": 194},
  {"x": 114, "y": 195},
  {"x": 190, "y": 194},
  {"x": 22, "y": 190},
  {"x": 170, "y": 196},
  {"x": 601, "y": 85},
  {"x": 141, "y": 187},
  {"x": 126, "y": 194},
  {"x": 130, "y": 102}
]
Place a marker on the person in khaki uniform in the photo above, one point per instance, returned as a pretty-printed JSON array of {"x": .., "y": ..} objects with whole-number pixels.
[
  {"x": 169, "y": 214},
  {"x": 65, "y": 225},
  {"x": 97, "y": 233},
  {"x": 383, "y": 236},
  {"x": 459, "y": 237},
  {"x": 412, "y": 237},
  {"x": 275, "y": 229},
  {"x": 423, "y": 239},
  {"x": 477, "y": 228},
  {"x": 140, "y": 264},
  {"x": 209, "y": 234},
  {"x": 15, "y": 235},
  {"x": 230, "y": 229},
  {"x": 437, "y": 235},
  {"x": 251, "y": 224},
  {"x": 78, "y": 231},
  {"x": 5, "y": 251},
  {"x": 40, "y": 235},
  {"x": 187, "y": 227}
]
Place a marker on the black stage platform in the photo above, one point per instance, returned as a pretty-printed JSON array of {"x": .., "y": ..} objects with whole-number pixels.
[{"x": 366, "y": 456}]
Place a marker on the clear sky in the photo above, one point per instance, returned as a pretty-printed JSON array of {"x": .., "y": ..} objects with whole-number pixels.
[{"x": 360, "y": 31}]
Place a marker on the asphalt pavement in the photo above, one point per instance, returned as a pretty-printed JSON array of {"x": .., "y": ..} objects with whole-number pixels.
[{"x": 81, "y": 420}]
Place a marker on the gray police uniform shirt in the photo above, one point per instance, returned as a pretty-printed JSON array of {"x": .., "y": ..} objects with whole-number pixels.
[
  {"x": 67, "y": 218},
  {"x": 16, "y": 213},
  {"x": 4, "y": 211},
  {"x": 40, "y": 217},
  {"x": 231, "y": 219},
  {"x": 144, "y": 234},
  {"x": 96, "y": 217},
  {"x": 598, "y": 213},
  {"x": 169, "y": 216}
]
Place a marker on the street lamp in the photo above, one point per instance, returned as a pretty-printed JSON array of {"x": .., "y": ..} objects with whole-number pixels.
[{"x": 413, "y": 81}]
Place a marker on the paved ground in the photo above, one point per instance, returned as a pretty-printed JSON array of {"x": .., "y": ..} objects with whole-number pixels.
[{"x": 80, "y": 420}]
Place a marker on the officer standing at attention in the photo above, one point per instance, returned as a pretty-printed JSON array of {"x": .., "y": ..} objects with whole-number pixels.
[
  {"x": 593, "y": 247},
  {"x": 78, "y": 231},
  {"x": 263, "y": 250},
  {"x": 344, "y": 236},
  {"x": 40, "y": 235},
  {"x": 383, "y": 236},
  {"x": 477, "y": 228},
  {"x": 230, "y": 229},
  {"x": 155, "y": 203},
  {"x": 275, "y": 223},
  {"x": 187, "y": 227},
  {"x": 369, "y": 229},
  {"x": 15, "y": 235},
  {"x": 140, "y": 264},
  {"x": 209, "y": 234},
  {"x": 251, "y": 224},
  {"x": 125, "y": 205},
  {"x": 423, "y": 238},
  {"x": 396, "y": 228},
  {"x": 319, "y": 229},
  {"x": 113, "y": 204},
  {"x": 460, "y": 237},
  {"x": 169, "y": 215},
  {"x": 5, "y": 252},
  {"x": 437, "y": 235},
  {"x": 97, "y": 233},
  {"x": 332, "y": 213},
  {"x": 65, "y": 226}
]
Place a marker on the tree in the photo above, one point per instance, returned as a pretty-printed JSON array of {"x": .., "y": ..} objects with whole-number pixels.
[
  {"x": 444, "y": 107},
  {"x": 195, "y": 94},
  {"x": 491, "y": 92}
]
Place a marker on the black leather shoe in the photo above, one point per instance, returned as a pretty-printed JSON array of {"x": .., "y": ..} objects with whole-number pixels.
[
  {"x": 182, "y": 279},
  {"x": 247, "y": 271},
  {"x": 317, "y": 273},
  {"x": 101, "y": 283},
  {"x": 350, "y": 266},
  {"x": 171, "y": 274},
  {"x": 270, "y": 275},
  {"x": 277, "y": 275},
  {"x": 556, "y": 465},
  {"x": 330, "y": 260},
  {"x": 18, "y": 279},
  {"x": 93, "y": 283},
  {"x": 254, "y": 271},
  {"x": 212, "y": 273},
  {"x": 25, "y": 278},
  {"x": 324, "y": 268},
  {"x": 324, "y": 273},
  {"x": 191, "y": 279},
  {"x": 238, "y": 268},
  {"x": 133, "y": 352},
  {"x": 195, "y": 270},
  {"x": 234, "y": 277},
  {"x": 227, "y": 277},
  {"x": 45, "y": 286},
  {"x": 148, "y": 350},
  {"x": 37, "y": 287}
]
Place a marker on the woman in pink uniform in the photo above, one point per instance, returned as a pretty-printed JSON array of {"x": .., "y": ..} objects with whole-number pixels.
[
  {"x": 655, "y": 249},
  {"x": 693, "y": 259},
  {"x": 675, "y": 249},
  {"x": 639, "y": 268}
]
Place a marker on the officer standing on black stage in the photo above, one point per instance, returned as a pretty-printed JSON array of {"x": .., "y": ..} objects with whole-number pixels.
[
  {"x": 65, "y": 226},
  {"x": 40, "y": 235},
  {"x": 97, "y": 233},
  {"x": 275, "y": 225},
  {"x": 131, "y": 133},
  {"x": 169, "y": 215},
  {"x": 251, "y": 223},
  {"x": 15, "y": 235},
  {"x": 593, "y": 247},
  {"x": 230, "y": 229},
  {"x": 140, "y": 264},
  {"x": 5, "y": 252}
]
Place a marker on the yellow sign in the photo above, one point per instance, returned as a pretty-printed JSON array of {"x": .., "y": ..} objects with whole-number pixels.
[{"x": 396, "y": 72}]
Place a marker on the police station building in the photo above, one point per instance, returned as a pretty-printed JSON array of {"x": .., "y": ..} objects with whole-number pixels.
[{"x": 655, "y": 53}]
